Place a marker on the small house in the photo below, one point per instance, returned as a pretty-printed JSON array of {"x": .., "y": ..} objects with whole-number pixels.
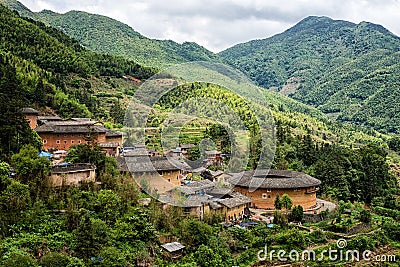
[
  {"x": 72, "y": 174},
  {"x": 173, "y": 250}
]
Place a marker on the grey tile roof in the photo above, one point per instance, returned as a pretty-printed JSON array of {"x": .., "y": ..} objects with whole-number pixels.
[
  {"x": 49, "y": 118},
  {"x": 204, "y": 192},
  {"x": 274, "y": 179},
  {"x": 30, "y": 111},
  {"x": 235, "y": 199},
  {"x": 75, "y": 126},
  {"x": 112, "y": 133},
  {"x": 212, "y": 152},
  {"x": 142, "y": 163},
  {"x": 109, "y": 145},
  {"x": 73, "y": 168},
  {"x": 172, "y": 247}
]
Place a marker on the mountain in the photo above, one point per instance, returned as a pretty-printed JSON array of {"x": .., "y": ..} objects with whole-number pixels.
[
  {"x": 55, "y": 73},
  {"x": 110, "y": 36},
  {"x": 349, "y": 71},
  {"x": 43, "y": 68}
]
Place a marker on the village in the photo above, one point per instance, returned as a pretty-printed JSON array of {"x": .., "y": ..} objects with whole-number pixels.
[{"x": 198, "y": 191}]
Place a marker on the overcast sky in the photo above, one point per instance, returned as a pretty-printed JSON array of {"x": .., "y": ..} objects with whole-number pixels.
[{"x": 219, "y": 24}]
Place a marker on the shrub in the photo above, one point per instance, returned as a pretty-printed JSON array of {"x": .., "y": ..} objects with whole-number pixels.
[
  {"x": 19, "y": 259},
  {"x": 54, "y": 259}
]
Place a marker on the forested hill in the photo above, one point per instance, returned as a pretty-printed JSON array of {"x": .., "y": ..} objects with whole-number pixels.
[
  {"x": 105, "y": 35},
  {"x": 38, "y": 64},
  {"x": 349, "y": 71}
]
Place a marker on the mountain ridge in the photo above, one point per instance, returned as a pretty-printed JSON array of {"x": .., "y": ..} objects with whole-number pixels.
[
  {"x": 321, "y": 59},
  {"x": 334, "y": 65},
  {"x": 114, "y": 37}
]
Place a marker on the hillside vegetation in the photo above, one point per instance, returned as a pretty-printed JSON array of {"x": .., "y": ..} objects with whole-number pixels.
[
  {"x": 108, "y": 36},
  {"x": 50, "y": 71},
  {"x": 349, "y": 71}
]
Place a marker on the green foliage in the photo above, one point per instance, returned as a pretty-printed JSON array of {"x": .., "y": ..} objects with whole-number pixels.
[
  {"x": 30, "y": 168},
  {"x": 90, "y": 236},
  {"x": 54, "y": 259},
  {"x": 365, "y": 216},
  {"x": 286, "y": 202},
  {"x": 277, "y": 203},
  {"x": 117, "y": 113},
  {"x": 69, "y": 107},
  {"x": 387, "y": 212},
  {"x": 19, "y": 259},
  {"x": 296, "y": 214},
  {"x": 206, "y": 257},
  {"x": 14, "y": 129},
  {"x": 194, "y": 232},
  {"x": 14, "y": 199},
  {"x": 108, "y": 205},
  {"x": 89, "y": 153},
  {"x": 134, "y": 225},
  {"x": 108, "y": 36},
  {"x": 112, "y": 256},
  {"x": 280, "y": 218},
  {"x": 293, "y": 238},
  {"x": 363, "y": 174}
]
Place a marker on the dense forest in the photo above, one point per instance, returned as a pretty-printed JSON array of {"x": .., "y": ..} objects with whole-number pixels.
[
  {"x": 110, "y": 36},
  {"x": 37, "y": 63},
  {"x": 344, "y": 69}
]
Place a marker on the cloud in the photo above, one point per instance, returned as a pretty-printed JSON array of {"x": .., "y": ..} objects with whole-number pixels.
[{"x": 220, "y": 24}]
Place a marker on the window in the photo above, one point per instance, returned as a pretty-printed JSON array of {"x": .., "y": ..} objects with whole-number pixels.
[
  {"x": 79, "y": 141},
  {"x": 44, "y": 141},
  {"x": 58, "y": 141},
  {"x": 65, "y": 142},
  {"x": 264, "y": 196},
  {"x": 72, "y": 141},
  {"x": 268, "y": 190}
]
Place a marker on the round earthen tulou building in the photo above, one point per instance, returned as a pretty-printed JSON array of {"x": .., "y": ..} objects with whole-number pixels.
[{"x": 263, "y": 188}]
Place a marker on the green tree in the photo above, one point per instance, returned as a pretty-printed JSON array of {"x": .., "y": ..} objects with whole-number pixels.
[
  {"x": 87, "y": 153},
  {"x": 108, "y": 205},
  {"x": 14, "y": 128},
  {"x": 54, "y": 259},
  {"x": 112, "y": 257},
  {"x": 277, "y": 203},
  {"x": 4, "y": 173},
  {"x": 206, "y": 257},
  {"x": 365, "y": 216},
  {"x": 18, "y": 259},
  {"x": 117, "y": 113},
  {"x": 297, "y": 214},
  {"x": 135, "y": 225},
  {"x": 286, "y": 202},
  {"x": 91, "y": 236},
  {"x": 280, "y": 218},
  {"x": 194, "y": 232},
  {"x": 14, "y": 199},
  {"x": 31, "y": 169}
]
